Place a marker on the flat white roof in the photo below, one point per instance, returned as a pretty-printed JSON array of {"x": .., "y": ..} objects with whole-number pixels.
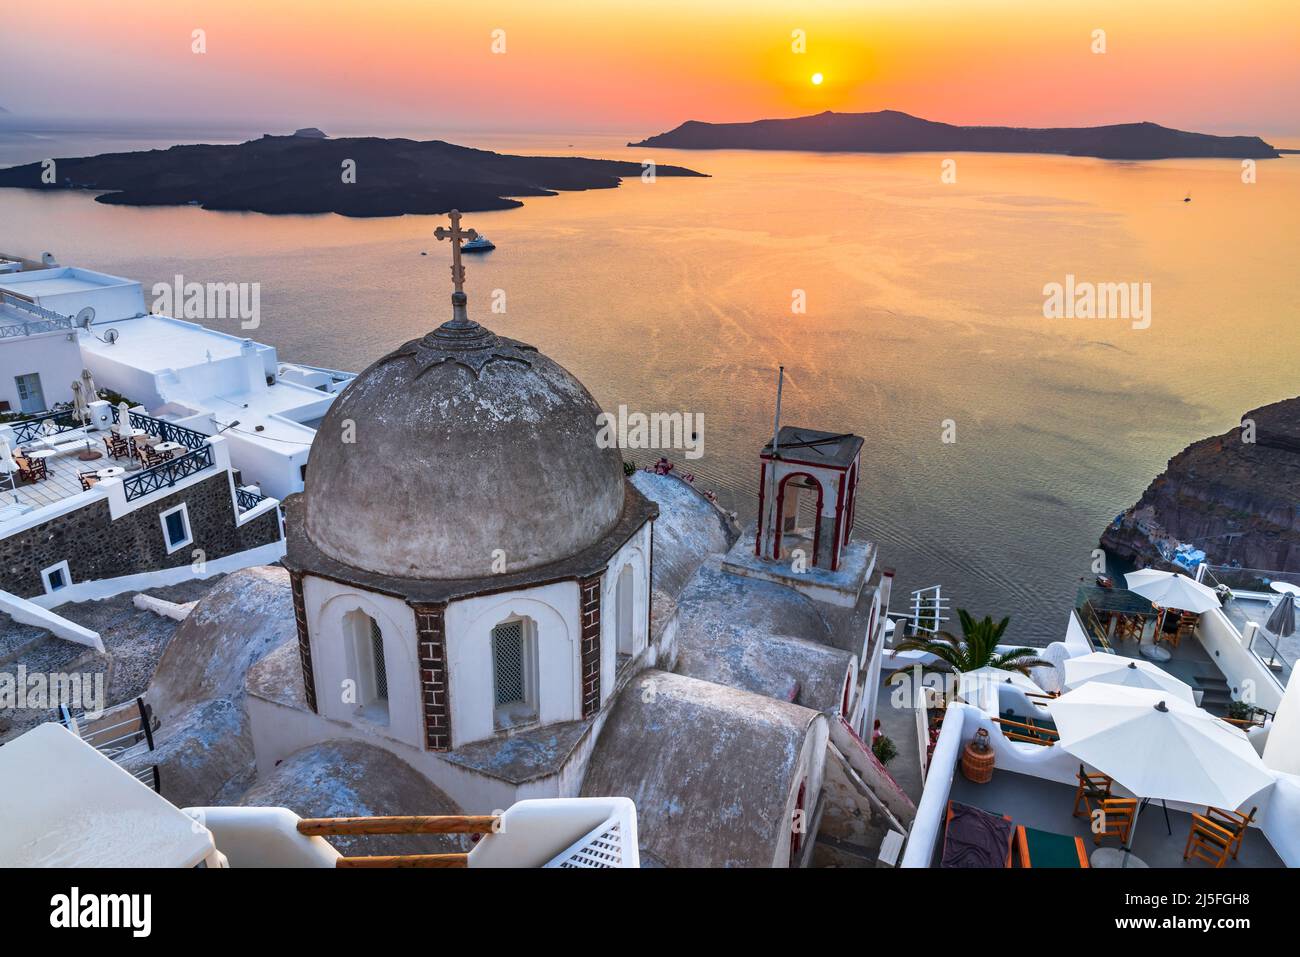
[
  {"x": 64, "y": 804},
  {"x": 58, "y": 280},
  {"x": 158, "y": 343}
]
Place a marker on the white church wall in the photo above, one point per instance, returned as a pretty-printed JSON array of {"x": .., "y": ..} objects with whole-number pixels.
[
  {"x": 812, "y": 768},
  {"x": 634, "y": 553},
  {"x": 328, "y": 604},
  {"x": 278, "y": 731},
  {"x": 554, "y": 614}
]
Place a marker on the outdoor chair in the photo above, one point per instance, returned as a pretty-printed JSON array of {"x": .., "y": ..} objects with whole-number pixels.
[
  {"x": 1117, "y": 815},
  {"x": 30, "y": 470},
  {"x": 1233, "y": 821},
  {"x": 116, "y": 445},
  {"x": 88, "y": 480},
  {"x": 1209, "y": 842},
  {"x": 150, "y": 458},
  {"x": 1093, "y": 788},
  {"x": 1037, "y": 848}
]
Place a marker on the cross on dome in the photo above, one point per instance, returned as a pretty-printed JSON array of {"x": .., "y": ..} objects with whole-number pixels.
[{"x": 459, "y": 316}]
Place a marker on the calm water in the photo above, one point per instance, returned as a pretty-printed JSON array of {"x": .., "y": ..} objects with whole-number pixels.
[{"x": 924, "y": 305}]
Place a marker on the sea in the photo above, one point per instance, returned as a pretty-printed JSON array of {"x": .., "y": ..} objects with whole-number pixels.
[{"x": 906, "y": 295}]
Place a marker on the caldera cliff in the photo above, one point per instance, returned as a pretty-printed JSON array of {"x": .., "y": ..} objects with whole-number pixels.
[{"x": 1236, "y": 496}]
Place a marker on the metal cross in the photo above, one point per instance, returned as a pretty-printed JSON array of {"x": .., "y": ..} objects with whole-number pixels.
[{"x": 457, "y": 236}]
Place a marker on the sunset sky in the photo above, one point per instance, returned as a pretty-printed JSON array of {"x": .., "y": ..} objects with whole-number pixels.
[{"x": 643, "y": 66}]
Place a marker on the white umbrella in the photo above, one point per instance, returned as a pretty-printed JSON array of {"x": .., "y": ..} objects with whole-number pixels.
[
  {"x": 1103, "y": 667},
  {"x": 1172, "y": 590},
  {"x": 7, "y": 463},
  {"x": 1159, "y": 746}
]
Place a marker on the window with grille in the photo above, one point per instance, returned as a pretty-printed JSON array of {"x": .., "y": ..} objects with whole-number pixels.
[
  {"x": 377, "y": 650},
  {"x": 508, "y": 662}
]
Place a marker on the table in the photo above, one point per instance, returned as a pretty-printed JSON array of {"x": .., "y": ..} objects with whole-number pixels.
[
  {"x": 1115, "y": 857},
  {"x": 170, "y": 448},
  {"x": 1285, "y": 588},
  {"x": 113, "y": 471},
  {"x": 41, "y": 454}
]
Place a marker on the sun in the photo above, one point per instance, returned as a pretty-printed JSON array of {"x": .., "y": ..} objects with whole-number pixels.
[{"x": 817, "y": 79}]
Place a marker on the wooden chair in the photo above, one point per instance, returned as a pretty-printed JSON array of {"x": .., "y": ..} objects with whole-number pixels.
[
  {"x": 1209, "y": 842},
  {"x": 149, "y": 458},
  {"x": 30, "y": 470},
  {"x": 1186, "y": 626},
  {"x": 1117, "y": 815},
  {"x": 116, "y": 445},
  {"x": 88, "y": 480},
  {"x": 1093, "y": 788},
  {"x": 1233, "y": 821}
]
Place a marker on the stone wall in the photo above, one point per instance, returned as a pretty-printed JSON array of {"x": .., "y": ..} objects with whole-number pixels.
[{"x": 96, "y": 547}]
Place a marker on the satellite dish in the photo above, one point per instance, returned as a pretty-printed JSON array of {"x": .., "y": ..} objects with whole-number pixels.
[
  {"x": 110, "y": 336},
  {"x": 85, "y": 317}
]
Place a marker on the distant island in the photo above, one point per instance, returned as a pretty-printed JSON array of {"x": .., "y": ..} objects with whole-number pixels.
[
  {"x": 1232, "y": 496},
  {"x": 305, "y": 173},
  {"x": 889, "y": 131}
]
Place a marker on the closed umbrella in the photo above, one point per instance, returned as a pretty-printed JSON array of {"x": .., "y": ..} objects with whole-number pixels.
[
  {"x": 1111, "y": 669},
  {"x": 1158, "y": 746},
  {"x": 1281, "y": 622},
  {"x": 83, "y": 393}
]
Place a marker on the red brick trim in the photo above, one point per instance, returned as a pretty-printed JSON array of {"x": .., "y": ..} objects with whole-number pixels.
[
  {"x": 304, "y": 640},
  {"x": 435, "y": 697},
  {"x": 589, "y": 610}
]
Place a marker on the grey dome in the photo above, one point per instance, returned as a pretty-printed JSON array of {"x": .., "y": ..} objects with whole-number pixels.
[{"x": 464, "y": 443}]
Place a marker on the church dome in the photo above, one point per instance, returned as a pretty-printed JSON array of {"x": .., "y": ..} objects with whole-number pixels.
[{"x": 459, "y": 455}]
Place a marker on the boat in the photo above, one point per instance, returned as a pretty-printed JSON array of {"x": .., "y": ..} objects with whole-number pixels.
[{"x": 479, "y": 244}]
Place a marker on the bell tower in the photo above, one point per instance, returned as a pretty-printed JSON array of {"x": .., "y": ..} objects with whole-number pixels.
[{"x": 806, "y": 497}]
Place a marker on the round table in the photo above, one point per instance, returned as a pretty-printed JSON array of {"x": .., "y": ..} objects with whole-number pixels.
[
  {"x": 113, "y": 471},
  {"x": 1115, "y": 857},
  {"x": 1285, "y": 588},
  {"x": 170, "y": 447},
  {"x": 41, "y": 454}
]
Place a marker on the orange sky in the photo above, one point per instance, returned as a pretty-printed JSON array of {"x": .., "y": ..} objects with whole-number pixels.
[{"x": 643, "y": 66}]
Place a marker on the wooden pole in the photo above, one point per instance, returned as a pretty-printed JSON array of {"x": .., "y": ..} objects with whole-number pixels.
[
  {"x": 406, "y": 860},
  {"x": 441, "y": 824}
]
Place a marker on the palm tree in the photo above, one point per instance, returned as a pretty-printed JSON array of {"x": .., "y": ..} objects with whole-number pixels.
[{"x": 977, "y": 648}]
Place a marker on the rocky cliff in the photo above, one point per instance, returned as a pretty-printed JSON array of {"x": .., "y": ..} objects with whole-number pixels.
[{"x": 1236, "y": 495}]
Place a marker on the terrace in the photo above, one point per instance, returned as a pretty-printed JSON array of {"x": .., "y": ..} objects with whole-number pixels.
[
  {"x": 1047, "y": 806},
  {"x": 167, "y": 454}
]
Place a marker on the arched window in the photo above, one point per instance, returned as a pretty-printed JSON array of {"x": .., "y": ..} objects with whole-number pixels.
[
  {"x": 514, "y": 673},
  {"x": 369, "y": 666},
  {"x": 623, "y": 595}
]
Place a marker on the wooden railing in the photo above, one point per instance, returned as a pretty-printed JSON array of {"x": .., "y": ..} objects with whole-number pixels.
[
  {"x": 440, "y": 824},
  {"x": 1031, "y": 733}
]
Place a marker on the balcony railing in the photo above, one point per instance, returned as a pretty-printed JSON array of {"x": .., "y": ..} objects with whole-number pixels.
[
  {"x": 247, "y": 499},
  {"x": 28, "y": 430},
  {"x": 166, "y": 431},
  {"x": 167, "y": 474},
  {"x": 46, "y": 320}
]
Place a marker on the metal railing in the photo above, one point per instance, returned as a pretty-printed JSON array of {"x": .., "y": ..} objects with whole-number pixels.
[
  {"x": 1093, "y": 628},
  {"x": 166, "y": 431},
  {"x": 28, "y": 430},
  {"x": 158, "y": 477},
  {"x": 47, "y": 321},
  {"x": 114, "y": 740},
  {"x": 246, "y": 499}
]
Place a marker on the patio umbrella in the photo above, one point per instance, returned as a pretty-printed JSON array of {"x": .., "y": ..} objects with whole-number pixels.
[
  {"x": 83, "y": 393},
  {"x": 1282, "y": 621},
  {"x": 123, "y": 418},
  {"x": 1172, "y": 590},
  {"x": 1111, "y": 669},
  {"x": 1001, "y": 676},
  {"x": 1158, "y": 746}
]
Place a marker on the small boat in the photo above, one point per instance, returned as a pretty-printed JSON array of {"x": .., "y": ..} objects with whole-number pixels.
[
  {"x": 479, "y": 244},
  {"x": 1105, "y": 581}
]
